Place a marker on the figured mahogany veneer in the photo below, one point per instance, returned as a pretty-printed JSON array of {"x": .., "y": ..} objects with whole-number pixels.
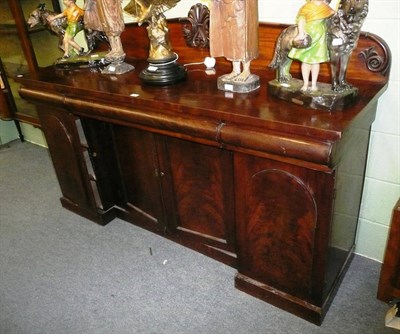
[{"x": 260, "y": 184}]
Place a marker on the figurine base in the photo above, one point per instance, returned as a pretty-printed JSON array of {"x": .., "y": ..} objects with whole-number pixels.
[
  {"x": 229, "y": 85},
  {"x": 322, "y": 99},
  {"x": 163, "y": 72},
  {"x": 117, "y": 66},
  {"x": 84, "y": 61}
]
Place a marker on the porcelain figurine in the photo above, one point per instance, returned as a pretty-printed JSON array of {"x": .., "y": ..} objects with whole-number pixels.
[
  {"x": 322, "y": 34},
  {"x": 74, "y": 14},
  {"x": 311, "y": 23},
  {"x": 42, "y": 16}
]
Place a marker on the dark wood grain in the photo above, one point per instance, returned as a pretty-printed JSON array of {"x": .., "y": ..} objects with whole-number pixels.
[
  {"x": 66, "y": 150},
  {"x": 276, "y": 233},
  {"x": 202, "y": 172},
  {"x": 137, "y": 157}
]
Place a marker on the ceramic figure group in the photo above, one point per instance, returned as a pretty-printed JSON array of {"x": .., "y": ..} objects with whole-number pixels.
[
  {"x": 321, "y": 34},
  {"x": 332, "y": 34}
]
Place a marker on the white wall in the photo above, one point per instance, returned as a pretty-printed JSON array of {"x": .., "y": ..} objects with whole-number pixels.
[{"x": 382, "y": 184}]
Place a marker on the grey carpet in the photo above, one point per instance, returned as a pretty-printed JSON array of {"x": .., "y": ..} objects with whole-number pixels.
[{"x": 60, "y": 273}]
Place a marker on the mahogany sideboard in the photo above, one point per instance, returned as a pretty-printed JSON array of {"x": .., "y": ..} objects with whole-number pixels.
[{"x": 266, "y": 186}]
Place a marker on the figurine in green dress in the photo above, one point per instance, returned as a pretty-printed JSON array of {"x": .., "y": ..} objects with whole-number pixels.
[
  {"x": 322, "y": 34},
  {"x": 311, "y": 21}
]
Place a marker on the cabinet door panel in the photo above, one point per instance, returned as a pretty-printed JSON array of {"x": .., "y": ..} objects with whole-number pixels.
[
  {"x": 137, "y": 156},
  {"x": 277, "y": 216},
  {"x": 59, "y": 129},
  {"x": 203, "y": 191}
]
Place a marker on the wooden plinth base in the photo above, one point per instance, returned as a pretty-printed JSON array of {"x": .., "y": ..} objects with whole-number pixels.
[
  {"x": 323, "y": 99},
  {"x": 280, "y": 299},
  {"x": 98, "y": 216}
]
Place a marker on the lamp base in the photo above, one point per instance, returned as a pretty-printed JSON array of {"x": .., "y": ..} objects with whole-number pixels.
[{"x": 163, "y": 72}]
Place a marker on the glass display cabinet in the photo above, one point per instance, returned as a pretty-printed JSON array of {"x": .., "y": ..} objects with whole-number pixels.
[{"x": 22, "y": 50}]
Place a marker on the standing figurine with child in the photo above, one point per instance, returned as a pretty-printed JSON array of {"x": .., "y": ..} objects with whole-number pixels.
[
  {"x": 311, "y": 24},
  {"x": 323, "y": 34}
]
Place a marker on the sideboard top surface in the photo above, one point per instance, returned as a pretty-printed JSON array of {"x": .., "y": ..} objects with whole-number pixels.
[{"x": 198, "y": 97}]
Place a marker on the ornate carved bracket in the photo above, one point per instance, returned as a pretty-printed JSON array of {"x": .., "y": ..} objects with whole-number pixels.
[
  {"x": 374, "y": 61},
  {"x": 196, "y": 32}
]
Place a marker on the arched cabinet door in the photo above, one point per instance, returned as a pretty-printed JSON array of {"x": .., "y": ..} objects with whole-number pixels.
[
  {"x": 278, "y": 219},
  {"x": 64, "y": 157},
  {"x": 73, "y": 166}
]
